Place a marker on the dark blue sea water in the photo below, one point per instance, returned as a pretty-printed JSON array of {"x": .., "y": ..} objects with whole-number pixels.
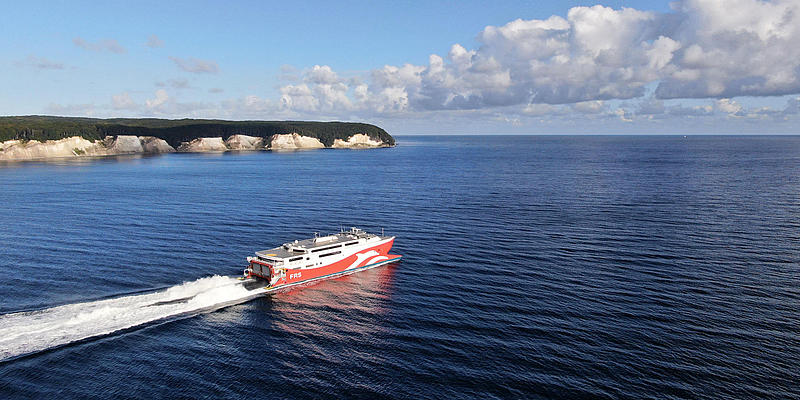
[{"x": 534, "y": 267}]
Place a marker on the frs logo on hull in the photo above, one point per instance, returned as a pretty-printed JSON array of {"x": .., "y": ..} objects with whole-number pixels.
[{"x": 295, "y": 275}]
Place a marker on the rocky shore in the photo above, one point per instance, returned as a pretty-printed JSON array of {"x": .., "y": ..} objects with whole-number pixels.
[{"x": 18, "y": 150}]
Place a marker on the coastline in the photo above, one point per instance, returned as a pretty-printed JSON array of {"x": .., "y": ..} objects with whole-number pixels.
[{"x": 76, "y": 146}]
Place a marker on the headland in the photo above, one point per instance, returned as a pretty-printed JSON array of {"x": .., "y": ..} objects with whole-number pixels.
[{"x": 43, "y": 137}]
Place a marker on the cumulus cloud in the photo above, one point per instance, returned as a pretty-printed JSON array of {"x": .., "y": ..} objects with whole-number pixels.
[
  {"x": 591, "y": 64},
  {"x": 109, "y": 45},
  {"x": 123, "y": 101},
  {"x": 728, "y": 106},
  {"x": 195, "y": 65},
  {"x": 39, "y": 63},
  {"x": 623, "y": 115},
  {"x": 154, "y": 41},
  {"x": 735, "y": 48},
  {"x": 701, "y": 49},
  {"x": 160, "y": 99}
]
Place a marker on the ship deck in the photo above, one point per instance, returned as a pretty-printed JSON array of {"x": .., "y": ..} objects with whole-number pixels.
[{"x": 281, "y": 252}]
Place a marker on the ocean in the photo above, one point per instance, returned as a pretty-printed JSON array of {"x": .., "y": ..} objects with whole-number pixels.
[{"x": 534, "y": 267}]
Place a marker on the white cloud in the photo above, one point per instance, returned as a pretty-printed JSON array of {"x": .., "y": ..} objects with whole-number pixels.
[
  {"x": 39, "y": 63},
  {"x": 299, "y": 97},
  {"x": 196, "y": 65},
  {"x": 735, "y": 48},
  {"x": 123, "y": 101},
  {"x": 593, "y": 65},
  {"x": 589, "y": 107},
  {"x": 156, "y": 103},
  {"x": 594, "y": 54},
  {"x": 623, "y": 115},
  {"x": 728, "y": 106},
  {"x": 322, "y": 75},
  {"x": 154, "y": 41},
  {"x": 109, "y": 45}
]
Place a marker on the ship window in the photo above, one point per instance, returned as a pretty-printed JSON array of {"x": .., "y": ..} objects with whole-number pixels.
[
  {"x": 296, "y": 258},
  {"x": 330, "y": 254},
  {"x": 325, "y": 248},
  {"x": 348, "y": 244}
]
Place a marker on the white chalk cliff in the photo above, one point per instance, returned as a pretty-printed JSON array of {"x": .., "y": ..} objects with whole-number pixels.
[
  {"x": 151, "y": 144},
  {"x": 357, "y": 141},
  {"x": 203, "y": 144},
  {"x": 34, "y": 149},
  {"x": 123, "y": 144},
  {"x": 294, "y": 141},
  {"x": 17, "y": 150},
  {"x": 244, "y": 142}
]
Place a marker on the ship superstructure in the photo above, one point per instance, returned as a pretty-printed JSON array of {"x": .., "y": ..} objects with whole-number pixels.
[{"x": 321, "y": 257}]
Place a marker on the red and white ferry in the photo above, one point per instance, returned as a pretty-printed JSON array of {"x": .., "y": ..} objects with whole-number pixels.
[{"x": 320, "y": 258}]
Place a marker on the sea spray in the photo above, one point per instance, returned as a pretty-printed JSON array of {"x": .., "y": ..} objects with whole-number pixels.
[{"x": 34, "y": 331}]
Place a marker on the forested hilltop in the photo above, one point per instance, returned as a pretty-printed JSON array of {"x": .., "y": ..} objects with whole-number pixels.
[{"x": 36, "y": 127}]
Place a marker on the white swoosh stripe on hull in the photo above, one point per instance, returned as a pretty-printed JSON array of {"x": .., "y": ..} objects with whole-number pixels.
[
  {"x": 361, "y": 257},
  {"x": 377, "y": 259}
]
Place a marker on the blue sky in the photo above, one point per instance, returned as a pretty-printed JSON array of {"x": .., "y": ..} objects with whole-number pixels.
[{"x": 413, "y": 67}]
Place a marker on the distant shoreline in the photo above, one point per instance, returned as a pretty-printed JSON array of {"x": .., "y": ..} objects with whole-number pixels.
[
  {"x": 76, "y": 147},
  {"x": 177, "y": 131},
  {"x": 44, "y": 137}
]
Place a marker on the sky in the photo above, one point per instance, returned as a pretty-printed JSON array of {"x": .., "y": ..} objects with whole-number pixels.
[{"x": 413, "y": 67}]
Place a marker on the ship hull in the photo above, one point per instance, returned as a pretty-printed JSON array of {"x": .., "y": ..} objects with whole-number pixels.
[
  {"x": 269, "y": 289},
  {"x": 350, "y": 261}
]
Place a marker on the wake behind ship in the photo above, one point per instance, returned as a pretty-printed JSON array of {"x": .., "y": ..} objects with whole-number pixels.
[{"x": 320, "y": 258}]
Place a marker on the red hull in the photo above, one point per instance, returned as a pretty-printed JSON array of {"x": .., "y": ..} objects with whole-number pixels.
[{"x": 362, "y": 259}]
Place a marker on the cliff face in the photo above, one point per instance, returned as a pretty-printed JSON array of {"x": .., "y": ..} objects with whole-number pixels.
[
  {"x": 201, "y": 145},
  {"x": 152, "y": 144},
  {"x": 177, "y": 131},
  {"x": 123, "y": 145},
  {"x": 294, "y": 142},
  {"x": 357, "y": 141},
  {"x": 17, "y": 150},
  {"x": 244, "y": 142}
]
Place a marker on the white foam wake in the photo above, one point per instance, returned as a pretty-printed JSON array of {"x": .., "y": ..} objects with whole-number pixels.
[{"x": 33, "y": 331}]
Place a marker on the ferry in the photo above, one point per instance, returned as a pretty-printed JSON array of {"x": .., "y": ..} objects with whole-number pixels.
[{"x": 320, "y": 257}]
